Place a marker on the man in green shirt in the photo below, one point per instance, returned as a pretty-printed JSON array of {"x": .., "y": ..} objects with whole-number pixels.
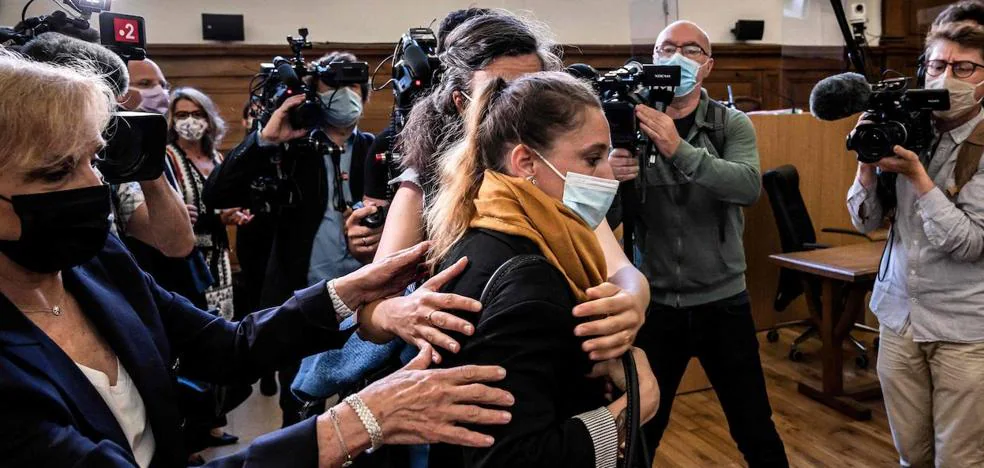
[{"x": 703, "y": 169}]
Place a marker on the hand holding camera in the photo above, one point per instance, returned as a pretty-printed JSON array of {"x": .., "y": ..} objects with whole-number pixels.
[
  {"x": 660, "y": 128},
  {"x": 363, "y": 239},
  {"x": 624, "y": 164},
  {"x": 278, "y": 130}
]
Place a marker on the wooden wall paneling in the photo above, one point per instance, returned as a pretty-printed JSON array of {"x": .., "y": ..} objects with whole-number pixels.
[{"x": 779, "y": 77}]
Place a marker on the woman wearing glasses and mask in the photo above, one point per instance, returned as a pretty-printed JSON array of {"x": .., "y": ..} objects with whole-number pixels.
[
  {"x": 929, "y": 298},
  {"x": 89, "y": 344}
]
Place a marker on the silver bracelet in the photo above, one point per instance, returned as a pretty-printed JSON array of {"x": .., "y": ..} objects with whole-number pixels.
[
  {"x": 368, "y": 420},
  {"x": 341, "y": 439},
  {"x": 342, "y": 310}
]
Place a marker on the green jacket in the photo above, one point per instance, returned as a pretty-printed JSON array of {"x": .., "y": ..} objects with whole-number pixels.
[{"x": 690, "y": 225}]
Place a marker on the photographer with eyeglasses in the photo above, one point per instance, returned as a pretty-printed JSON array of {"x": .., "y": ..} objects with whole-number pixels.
[
  {"x": 929, "y": 297},
  {"x": 688, "y": 233}
]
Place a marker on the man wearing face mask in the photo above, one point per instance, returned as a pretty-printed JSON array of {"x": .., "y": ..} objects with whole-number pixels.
[
  {"x": 929, "y": 297},
  {"x": 704, "y": 168},
  {"x": 149, "y": 90},
  {"x": 319, "y": 237}
]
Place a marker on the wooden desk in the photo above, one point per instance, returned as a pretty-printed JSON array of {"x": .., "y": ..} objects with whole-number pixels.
[{"x": 845, "y": 274}]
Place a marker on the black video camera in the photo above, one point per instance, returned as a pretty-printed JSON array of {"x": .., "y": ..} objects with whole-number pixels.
[
  {"x": 415, "y": 65},
  {"x": 621, "y": 90},
  {"x": 135, "y": 141},
  {"x": 415, "y": 71},
  {"x": 281, "y": 80},
  {"x": 285, "y": 78},
  {"x": 896, "y": 115}
]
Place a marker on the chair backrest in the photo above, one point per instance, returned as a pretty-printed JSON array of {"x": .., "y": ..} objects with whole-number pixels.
[{"x": 792, "y": 218}]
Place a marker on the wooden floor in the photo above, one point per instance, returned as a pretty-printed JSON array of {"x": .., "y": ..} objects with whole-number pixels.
[{"x": 697, "y": 436}]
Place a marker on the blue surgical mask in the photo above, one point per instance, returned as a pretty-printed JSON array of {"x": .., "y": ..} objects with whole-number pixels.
[
  {"x": 587, "y": 196},
  {"x": 344, "y": 107},
  {"x": 689, "y": 69}
]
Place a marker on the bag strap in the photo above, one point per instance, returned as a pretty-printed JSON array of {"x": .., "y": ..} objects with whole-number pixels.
[
  {"x": 968, "y": 160},
  {"x": 717, "y": 118},
  {"x": 500, "y": 273}
]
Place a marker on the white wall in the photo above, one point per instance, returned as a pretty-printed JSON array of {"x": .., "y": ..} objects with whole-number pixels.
[{"x": 572, "y": 21}]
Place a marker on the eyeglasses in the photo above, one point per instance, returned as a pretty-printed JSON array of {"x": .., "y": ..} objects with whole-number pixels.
[
  {"x": 691, "y": 51},
  {"x": 961, "y": 69},
  {"x": 184, "y": 115}
]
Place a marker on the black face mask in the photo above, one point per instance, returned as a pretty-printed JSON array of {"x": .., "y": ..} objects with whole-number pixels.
[{"x": 59, "y": 230}]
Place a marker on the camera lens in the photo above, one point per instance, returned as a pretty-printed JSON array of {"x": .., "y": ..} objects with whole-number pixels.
[{"x": 873, "y": 141}]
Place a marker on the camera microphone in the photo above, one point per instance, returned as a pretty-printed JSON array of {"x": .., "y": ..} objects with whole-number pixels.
[
  {"x": 286, "y": 72},
  {"x": 840, "y": 96},
  {"x": 582, "y": 71}
]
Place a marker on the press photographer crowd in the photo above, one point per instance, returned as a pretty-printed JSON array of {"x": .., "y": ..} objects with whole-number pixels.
[{"x": 516, "y": 272}]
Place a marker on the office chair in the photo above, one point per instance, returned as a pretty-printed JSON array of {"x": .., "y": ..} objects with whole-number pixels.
[{"x": 796, "y": 234}]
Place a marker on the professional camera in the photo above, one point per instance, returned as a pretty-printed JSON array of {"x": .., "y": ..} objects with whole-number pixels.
[
  {"x": 622, "y": 89},
  {"x": 896, "y": 115},
  {"x": 281, "y": 80},
  {"x": 135, "y": 141},
  {"x": 415, "y": 70},
  {"x": 285, "y": 78},
  {"x": 415, "y": 65}
]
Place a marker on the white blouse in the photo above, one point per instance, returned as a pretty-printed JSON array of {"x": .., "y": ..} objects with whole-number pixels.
[{"x": 127, "y": 406}]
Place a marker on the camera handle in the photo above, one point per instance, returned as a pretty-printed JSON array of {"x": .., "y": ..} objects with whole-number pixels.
[{"x": 633, "y": 192}]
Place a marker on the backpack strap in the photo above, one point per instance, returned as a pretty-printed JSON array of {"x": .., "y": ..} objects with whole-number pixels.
[
  {"x": 717, "y": 119},
  {"x": 968, "y": 160}
]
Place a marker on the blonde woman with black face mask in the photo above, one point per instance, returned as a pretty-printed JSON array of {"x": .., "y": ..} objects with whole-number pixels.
[{"x": 531, "y": 179}]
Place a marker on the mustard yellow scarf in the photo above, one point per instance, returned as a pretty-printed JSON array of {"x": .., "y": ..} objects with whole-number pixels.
[{"x": 514, "y": 206}]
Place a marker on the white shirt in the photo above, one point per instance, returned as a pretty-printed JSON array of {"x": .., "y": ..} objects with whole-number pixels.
[
  {"x": 127, "y": 406},
  {"x": 935, "y": 278}
]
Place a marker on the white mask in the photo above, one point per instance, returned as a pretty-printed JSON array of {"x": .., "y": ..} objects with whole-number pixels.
[
  {"x": 191, "y": 128},
  {"x": 961, "y": 96},
  {"x": 588, "y": 196}
]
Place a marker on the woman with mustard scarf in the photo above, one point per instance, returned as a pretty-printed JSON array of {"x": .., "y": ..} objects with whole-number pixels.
[{"x": 531, "y": 177}]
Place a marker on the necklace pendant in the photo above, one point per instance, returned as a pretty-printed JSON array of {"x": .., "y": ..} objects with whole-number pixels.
[{"x": 56, "y": 311}]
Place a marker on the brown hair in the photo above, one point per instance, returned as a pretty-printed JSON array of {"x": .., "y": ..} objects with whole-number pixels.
[
  {"x": 435, "y": 123},
  {"x": 533, "y": 110},
  {"x": 967, "y": 10},
  {"x": 965, "y": 33},
  {"x": 216, "y": 126}
]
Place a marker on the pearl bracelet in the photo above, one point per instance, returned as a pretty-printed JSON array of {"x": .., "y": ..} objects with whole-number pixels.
[{"x": 368, "y": 421}]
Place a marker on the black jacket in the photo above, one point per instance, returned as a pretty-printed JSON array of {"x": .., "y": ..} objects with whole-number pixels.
[
  {"x": 229, "y": 186},
  {"x": 50, "y": 415},
  {"x": 526, "y": 326}
]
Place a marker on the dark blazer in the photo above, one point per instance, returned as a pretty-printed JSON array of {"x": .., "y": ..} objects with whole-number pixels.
[
  {"x": 296, "y": 227},
  {"x": 526, "y": 326},
  {"x": 50, "y": 415}
]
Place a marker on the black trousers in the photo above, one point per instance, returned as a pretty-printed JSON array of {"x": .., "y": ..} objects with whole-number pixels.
[{"x": 722, "y": 336}]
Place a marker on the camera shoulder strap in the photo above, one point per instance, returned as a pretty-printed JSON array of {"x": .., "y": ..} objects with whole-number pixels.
[{"x": 968, "y": 160}]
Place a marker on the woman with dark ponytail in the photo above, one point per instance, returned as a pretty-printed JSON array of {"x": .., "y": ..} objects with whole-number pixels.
[
  {"x": 491, "y": 45},
  {"x": 531, "y": 180}
]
